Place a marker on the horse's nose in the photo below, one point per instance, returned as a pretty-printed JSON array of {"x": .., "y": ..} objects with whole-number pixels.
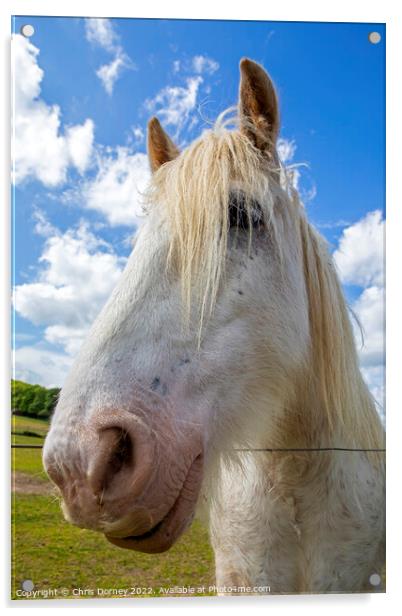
[{"x": 106, "y": 466}]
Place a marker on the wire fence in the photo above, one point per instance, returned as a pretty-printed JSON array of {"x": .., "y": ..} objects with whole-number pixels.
[
  {"x": 18, "y": 446},
  {"x": 296, "y": 449}
]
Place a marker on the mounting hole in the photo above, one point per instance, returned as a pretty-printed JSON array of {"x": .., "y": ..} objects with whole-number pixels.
[
  {"x": 27, "y": 30},
  {"x": 374, "y": 37},
  {"x": 375, "y": 579},
  {"x": 27, "y": 585}
]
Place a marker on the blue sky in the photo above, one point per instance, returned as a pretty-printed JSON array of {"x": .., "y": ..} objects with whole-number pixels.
[{"x": 107, "y": 77}]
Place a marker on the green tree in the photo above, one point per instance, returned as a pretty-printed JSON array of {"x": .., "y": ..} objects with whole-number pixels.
[{"x": 33, "y": 400}]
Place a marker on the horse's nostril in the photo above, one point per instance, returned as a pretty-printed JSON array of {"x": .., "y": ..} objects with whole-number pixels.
[
  {"x": 121, "y": 456},
  {"x": 114, "y": 452}
]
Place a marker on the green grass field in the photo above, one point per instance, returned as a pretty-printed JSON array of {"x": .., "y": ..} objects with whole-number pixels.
[
  {"x": 28, "y": 460},
  {"x": 22, "y": 424},
  {"x": 59, "y": 557}
]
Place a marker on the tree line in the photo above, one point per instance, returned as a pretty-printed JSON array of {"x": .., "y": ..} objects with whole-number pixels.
[{"x": 33, "y": 400}]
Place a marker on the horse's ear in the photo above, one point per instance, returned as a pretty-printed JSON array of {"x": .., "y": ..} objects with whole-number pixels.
[
  {"x": 258, "y": 106},
  {"x": 161, "y": 148}
]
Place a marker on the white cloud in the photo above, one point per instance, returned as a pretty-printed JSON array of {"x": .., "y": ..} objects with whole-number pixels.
[
  {"x": 174, "y": 104},
  {"x": 116, "y": 191},
  {"x": 70, "y": 338},
  {"x": 100, "y": 32},
  {"x": 360, "y": 261},
  {"x": 109, "y": 73},
  {"x": 286, "y": 149},
  {"x": 42, "y": 225},
  {"x": 138, "y": 134},
  {"x": 41, "y": 150},
  {"x": 199, "y": 65},
  {"x": 78, "y": 273},
  {"x": 80, "y": 144},
  {"x": 360, "y": 254},
  {"x": 203, "y": 64},
  {"x": 40, "y": 365}
]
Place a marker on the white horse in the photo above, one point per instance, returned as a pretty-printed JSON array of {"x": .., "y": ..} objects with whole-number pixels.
[{"x": 223, "y": 373}]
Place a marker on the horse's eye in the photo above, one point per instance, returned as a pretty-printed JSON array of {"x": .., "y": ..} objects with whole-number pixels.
[{"x": 239, "y": 217}]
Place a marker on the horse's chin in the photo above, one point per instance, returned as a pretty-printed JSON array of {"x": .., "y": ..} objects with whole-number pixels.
[{"x": 168, "y": 530}]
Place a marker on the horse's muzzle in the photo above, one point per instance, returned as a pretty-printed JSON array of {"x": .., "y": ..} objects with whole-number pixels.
[{"x": 136, "y": 482}]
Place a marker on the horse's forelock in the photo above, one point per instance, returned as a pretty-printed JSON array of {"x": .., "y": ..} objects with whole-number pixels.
[{"x": 194, "y": 191}]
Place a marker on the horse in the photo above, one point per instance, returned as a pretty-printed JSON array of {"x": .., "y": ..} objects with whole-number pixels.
[{"x": 221, "y": 378}]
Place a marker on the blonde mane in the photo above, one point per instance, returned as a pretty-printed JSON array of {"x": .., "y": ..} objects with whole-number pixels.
[
  {"x": 194, "y": 189},
  {"x": 335, "y": 375}
]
